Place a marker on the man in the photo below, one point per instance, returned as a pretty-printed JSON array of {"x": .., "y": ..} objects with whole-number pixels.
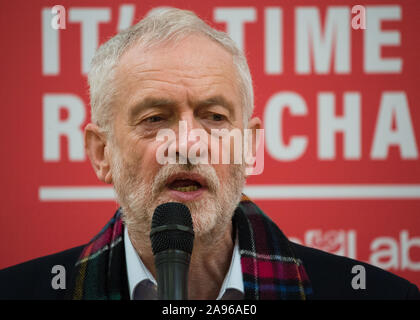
[{"x": 172, "y": 69}]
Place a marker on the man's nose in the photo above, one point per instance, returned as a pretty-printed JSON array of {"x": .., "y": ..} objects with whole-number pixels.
[{"x": 192, "y": 139}]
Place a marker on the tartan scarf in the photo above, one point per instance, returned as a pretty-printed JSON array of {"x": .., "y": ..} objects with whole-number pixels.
[{"x": 269, "y": 267}]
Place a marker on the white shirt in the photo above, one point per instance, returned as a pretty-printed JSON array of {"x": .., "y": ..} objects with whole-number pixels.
[{"x": 137, "y": 271}]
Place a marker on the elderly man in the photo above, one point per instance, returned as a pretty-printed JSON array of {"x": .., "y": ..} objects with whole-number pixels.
[{"x": 172, "y": 68}]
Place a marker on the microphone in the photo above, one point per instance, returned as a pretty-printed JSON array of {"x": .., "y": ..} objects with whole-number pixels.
[{"x": 172, "y": 237}]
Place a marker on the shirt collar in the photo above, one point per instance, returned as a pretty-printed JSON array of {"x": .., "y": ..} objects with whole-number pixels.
[
  {"x": 137, "y": 271},
  {"x": 233, "y": 278}
]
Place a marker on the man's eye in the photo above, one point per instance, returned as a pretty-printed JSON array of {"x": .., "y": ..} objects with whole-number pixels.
[
  {"x": 153, "y": 119},
  {"x": 217, "y": 117}
]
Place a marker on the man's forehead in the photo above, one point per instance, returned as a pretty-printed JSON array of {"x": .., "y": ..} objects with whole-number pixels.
[
  {"x": 194, "y": 52},
  {"x": 196, "y": 62}
]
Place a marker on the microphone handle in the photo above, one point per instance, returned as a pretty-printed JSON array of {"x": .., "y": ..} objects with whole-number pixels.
[{"x": 172, "y": 274}]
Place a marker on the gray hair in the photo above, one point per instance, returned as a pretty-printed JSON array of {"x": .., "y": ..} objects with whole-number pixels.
[{"x": 159, "y": 26}]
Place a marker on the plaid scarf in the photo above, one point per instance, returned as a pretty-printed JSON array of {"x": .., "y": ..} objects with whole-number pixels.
[{"x": 269, "y": 267}]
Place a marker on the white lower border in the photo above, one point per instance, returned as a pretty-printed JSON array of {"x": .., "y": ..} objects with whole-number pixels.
[{"x": 256, "y": 192}]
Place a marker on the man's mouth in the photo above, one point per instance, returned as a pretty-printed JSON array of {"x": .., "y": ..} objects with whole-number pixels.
[{"x": 186, "y": 186}]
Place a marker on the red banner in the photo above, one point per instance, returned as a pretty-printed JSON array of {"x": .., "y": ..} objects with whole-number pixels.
[{"x": 335, "y": 85}]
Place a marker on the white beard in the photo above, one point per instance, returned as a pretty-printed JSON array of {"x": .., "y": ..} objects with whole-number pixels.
[{"x": 211, "y": 214}]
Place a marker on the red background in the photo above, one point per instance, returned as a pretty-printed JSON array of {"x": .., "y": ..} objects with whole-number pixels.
[{"x": 32, "y": 228}]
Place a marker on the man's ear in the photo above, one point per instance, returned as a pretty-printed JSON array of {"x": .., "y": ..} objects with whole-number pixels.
[
  {"x": 254, "y": 125},
  {"x": 97, "y": 149}
]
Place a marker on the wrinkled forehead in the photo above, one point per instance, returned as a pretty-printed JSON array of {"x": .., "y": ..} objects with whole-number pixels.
[
  {"x": 195, "y": 55},
  {"x": 195, "y": 43}
]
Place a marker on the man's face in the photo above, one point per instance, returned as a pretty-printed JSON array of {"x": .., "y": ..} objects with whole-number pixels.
[{"x": 192, "y": 81}]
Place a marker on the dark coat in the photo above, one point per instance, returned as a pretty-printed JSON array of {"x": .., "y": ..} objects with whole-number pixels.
[{"x": 330, "y": 275}]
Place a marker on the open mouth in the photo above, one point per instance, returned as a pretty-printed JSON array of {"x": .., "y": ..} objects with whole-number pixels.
[
  {"x": 186, "y": 185},
  {"x": 186, "y": 182}
]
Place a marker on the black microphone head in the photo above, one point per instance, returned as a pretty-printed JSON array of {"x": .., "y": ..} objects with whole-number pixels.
[{"x": 172, "y": 228}]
